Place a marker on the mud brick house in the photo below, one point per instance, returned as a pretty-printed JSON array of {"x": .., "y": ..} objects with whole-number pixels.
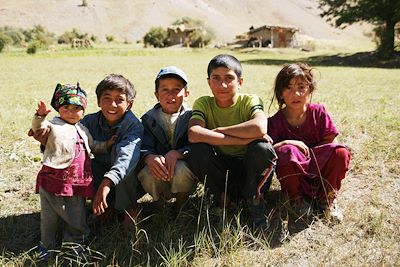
[
  {"x": 179, "y": 34},
  {"x": 271, "y": 36}
]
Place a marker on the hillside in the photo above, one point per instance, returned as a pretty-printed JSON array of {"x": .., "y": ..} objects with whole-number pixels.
[{"x": 130, "y": 20}]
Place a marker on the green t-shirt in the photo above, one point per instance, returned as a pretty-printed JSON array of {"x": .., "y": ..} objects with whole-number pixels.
[{"x": 206, "y": 109}]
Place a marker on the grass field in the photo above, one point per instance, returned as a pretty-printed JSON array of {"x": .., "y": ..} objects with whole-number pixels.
[{"x": 363, "y": 101}]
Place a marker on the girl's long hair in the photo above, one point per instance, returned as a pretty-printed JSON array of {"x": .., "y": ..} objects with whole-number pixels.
[{"x": 287, "y": 73}]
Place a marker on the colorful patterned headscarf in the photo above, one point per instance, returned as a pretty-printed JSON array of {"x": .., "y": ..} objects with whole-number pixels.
[{"x": 68, "y": 95}]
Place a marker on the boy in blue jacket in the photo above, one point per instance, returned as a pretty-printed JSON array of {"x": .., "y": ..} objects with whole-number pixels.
[
  {"x": 114, "y": 171},
  {"x": 165, "y": 143}
]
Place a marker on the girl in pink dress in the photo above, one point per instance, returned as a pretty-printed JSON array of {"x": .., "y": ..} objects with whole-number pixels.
[
  {"x": 65, "y": 179},
  {"x": 311, "y": 164}
]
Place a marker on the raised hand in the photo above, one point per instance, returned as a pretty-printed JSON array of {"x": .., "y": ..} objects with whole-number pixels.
[{"x": 42, "y": 109}]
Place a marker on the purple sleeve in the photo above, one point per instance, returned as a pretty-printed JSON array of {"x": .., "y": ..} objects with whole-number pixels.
[
  {"x": 273, "y": 129},
  {"x": 327, "y": 125}
]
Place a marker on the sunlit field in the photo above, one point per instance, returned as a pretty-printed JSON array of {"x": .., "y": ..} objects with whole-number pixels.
[{"x": 363, "y": 101}]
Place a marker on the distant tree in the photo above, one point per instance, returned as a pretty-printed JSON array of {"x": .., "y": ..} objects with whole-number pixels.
[
  {"x": 384, "y": 14},
  {"x": 4, "y": 40},
  {"x": 84, "y": 3},
  {"x": 188, "y": 22},
  {"x": 40, "y": 35},
  {"x": 199, "y": 37},
  {"x": 156, "y": 37},
  {"x": 68, "y": 36},
  {"x": 110, "y": 38}
]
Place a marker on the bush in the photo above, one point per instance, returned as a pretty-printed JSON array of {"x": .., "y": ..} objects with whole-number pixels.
[
  {"x": 68, "y": 36},
  {"x": 156, "y": 37},
  {"x": 33, "y": 47},
  {"x": 199, "y": 38},
  {"x": 39, "y": 34},
  {"x": 84, "y": 3},
  {"x": 110, "y": 38},
  {"x": 4, "y": 41}
]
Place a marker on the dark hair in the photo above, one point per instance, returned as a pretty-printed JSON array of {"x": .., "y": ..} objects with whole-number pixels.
[
  {"x": 227, "y": 61},
  {"x": 157, "y": 82},
  {"x": 289, "y": 72},
  {"x": 116, "y": 82}
]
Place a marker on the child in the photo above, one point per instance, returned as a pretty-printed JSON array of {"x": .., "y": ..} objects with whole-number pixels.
[
  {"x": 228, "y": 132},
  {"x": 310, "y": 163},
  {"x": 165, "y": 143},
  {"x": 115, "y": 171},
  {"x": 65, "y": 179}
]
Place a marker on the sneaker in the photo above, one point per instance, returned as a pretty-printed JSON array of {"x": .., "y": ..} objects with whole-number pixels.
[
  {"x": 333, "y": 212},
  {"x": 257, "y": 214}
]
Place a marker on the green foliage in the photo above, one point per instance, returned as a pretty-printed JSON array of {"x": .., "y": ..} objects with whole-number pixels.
[
  {"x": 199, "y": 38},
  {"x": 189, "y": 22},
  {"x": 68, "y": 36},
  {"x": 15, "y": 35},
  {"x": 33, "y": 47},
  {"x": 110, "y": 38},
  {"x": 384, "y": 14},
  {"x": 4, "y": 40},
  {"x": 155, "y": 37}
]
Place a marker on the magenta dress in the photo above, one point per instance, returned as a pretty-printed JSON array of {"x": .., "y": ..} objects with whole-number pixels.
[
  {"x": 292, "y": 163},
  {"x": 75, "y": 180}
]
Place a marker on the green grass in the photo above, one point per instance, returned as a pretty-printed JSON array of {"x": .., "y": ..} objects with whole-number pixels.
[{"x": 363, "y": 101}]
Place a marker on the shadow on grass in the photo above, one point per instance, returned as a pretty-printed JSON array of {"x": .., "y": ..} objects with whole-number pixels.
[
  {"x": 19, "y": 233},
  {"x": 161, "y": 238},
  {"x": 361, "y": 60}
]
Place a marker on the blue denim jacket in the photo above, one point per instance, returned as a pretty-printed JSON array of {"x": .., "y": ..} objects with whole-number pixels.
[
  {"x": 125, "y": 152},
  {"x": 155, "y": 140}
]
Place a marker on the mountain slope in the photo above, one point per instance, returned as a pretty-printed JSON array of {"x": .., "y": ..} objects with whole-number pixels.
[{"x": 130, "y": 20}]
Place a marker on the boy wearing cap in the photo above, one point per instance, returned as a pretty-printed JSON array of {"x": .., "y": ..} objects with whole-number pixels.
[
  {"x": 65, "y": 179},
  {"x": 165, "y": 144}
]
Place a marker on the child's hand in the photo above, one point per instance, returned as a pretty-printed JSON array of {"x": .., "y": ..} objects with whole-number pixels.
[
  {"x": 99, "y": 204},
  {"x": 42, "y": 109},
  {"x": 111, "y": 141},
  {"x": 301, "y": 146},
  {"x": 157, "y": 167},
  {"x": 170, "y": 161},
  {"x": 267, "y": 138}
]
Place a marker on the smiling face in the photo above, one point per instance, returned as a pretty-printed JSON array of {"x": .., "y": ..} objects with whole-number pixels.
[
  {"x": 171, "y": 93},
  {"x": 224, "y": 84},
  {"x": 297, "y": 94},
  {"x": 113, "y": 104},
  {"x": 71, "y": 113}
]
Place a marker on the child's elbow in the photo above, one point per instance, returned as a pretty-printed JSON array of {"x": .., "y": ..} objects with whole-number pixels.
[{"x": 192, "y": 135}]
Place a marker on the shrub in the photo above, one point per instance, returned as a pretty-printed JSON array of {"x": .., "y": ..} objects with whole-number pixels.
[
  {"x": 68, "y": 36},
  {"x": 33, "y": 47},
  {"x": 84, "y": 3},
  {"x": 4, "y": 40},
  {"x": 39, "y": 34},
  {"x": 156, "y": 37},
  {"x": 199, "y": 38},
  {"x": 110, "y": 38}
]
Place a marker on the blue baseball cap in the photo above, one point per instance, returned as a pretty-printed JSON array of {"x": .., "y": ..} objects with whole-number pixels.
[{"x": 172, "y": 70}]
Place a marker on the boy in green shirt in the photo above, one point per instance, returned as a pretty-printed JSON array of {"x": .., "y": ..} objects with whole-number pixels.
[{"x": 229, "y": 133}]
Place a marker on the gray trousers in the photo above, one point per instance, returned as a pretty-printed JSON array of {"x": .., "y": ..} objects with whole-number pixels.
[
  {"x": 183, "y": 182},
  {"x": 67, "y": 214}
]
